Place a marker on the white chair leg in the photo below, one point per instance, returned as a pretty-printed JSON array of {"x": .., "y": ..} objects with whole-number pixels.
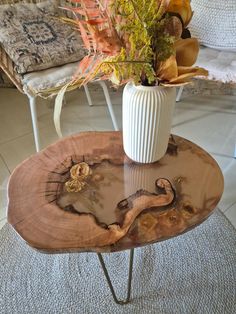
[
  {"x": 88, "y": 95},
  {"x": 33, "y": 110},
  {"x": 109, "y": 104},
  {"x": 179, "y": 94}
]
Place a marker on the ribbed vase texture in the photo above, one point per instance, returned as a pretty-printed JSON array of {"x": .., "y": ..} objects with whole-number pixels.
[{"x": 147, "y": 116}]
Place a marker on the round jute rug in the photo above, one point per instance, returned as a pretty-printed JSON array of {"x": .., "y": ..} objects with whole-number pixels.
[{"x": 193, "y": 273}]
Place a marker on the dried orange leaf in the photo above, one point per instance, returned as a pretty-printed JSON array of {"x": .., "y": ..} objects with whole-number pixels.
[
  {"x": 186, "y": 76},
  {"x": 186, "y": 51},
  {"x": 168, "y": 69},
  {"x": 166, "y": 84},
  {"x": 162, "y": 6},
  {"x": 184, "y": 70},
  {"x": 83, "y": 66},
  {"x": 84, "y": 35},
  {"x": 183, "y": 8}
]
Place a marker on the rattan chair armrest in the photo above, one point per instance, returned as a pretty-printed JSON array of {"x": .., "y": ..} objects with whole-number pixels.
[{"x": 7, "y": 65}]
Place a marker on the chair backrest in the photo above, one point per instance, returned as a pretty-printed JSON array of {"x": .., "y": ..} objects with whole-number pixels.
[
  {"x": 214, "y": 23},
  {"x": 18, "y": 1},
  {"x": 22, "y": 1},
  {"x": 61, "y": 3},
  {"x": 6, "y": 64}
]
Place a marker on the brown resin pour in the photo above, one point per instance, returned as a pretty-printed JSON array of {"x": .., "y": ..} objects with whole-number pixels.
[{"x": 108, "y": 180}]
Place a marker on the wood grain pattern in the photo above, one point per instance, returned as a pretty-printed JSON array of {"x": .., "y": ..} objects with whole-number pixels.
[{"x": 123, "y": 210}]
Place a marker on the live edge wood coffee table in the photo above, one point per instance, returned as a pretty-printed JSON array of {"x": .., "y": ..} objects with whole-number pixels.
[{"x": 121, "y": 205}]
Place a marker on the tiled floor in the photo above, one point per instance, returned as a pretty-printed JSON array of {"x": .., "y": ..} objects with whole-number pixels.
[{"x": 209, "y": 121}]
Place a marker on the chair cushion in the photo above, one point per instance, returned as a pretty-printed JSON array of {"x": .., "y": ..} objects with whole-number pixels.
[
  {"x": 47, "y": 82},
  {"x": 220, "y": 64},
  {"x": 35, "y": 38}
]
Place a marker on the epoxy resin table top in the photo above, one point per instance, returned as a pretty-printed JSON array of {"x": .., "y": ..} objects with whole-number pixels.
[{"x": 122, "y": 205}]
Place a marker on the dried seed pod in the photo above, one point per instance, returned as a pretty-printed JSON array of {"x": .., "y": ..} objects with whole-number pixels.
[
  {"x": 74, "y": 185},
  {"x": 80, "y": 171}
]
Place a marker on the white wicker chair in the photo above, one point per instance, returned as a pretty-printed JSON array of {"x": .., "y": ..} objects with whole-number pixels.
[
  {"x": 221, "y": 66},
  {"x": 22, "y": 81},
  {"x": 214, "y": 24}
]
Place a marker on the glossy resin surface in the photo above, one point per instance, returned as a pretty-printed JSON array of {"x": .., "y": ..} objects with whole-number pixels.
[{"x": 123, "y": 204}]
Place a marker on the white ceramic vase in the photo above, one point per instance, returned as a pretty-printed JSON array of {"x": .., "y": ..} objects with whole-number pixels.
[{"x": 147, "y": 116}]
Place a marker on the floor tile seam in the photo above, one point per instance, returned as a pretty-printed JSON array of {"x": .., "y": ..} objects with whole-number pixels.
[
  {"x": 226, "y": 111},
  {"x": 4, "y": 162},
  {"x": 31, "y": 133},
  {"x": 50, "y": 115},
  {"x": 228, "y": 219},
  {"x": 15, "y": 138},
  {"x": 78, "y": 120},
  {"x": 22, "y": 135},
  {"x": 230, "y": 206},
  {"x": 193, "y": 119},
  {"x": 224, "y": 210},
  {"x": 214, "y": 153},
  {"x": 90, "y": 127}
]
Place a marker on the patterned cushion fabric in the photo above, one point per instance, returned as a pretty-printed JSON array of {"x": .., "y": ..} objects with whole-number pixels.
[{"x": 35, "y": 38}]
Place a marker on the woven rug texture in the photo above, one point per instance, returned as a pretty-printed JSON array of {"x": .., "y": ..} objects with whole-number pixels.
[{"x": 192, "y": 273}]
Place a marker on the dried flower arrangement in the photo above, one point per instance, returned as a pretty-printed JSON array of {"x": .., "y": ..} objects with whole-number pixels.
[{"x": 144, "y": 41}]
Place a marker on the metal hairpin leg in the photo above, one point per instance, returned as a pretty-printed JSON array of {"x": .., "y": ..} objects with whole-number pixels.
[{"x": 109, "y": 280}]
